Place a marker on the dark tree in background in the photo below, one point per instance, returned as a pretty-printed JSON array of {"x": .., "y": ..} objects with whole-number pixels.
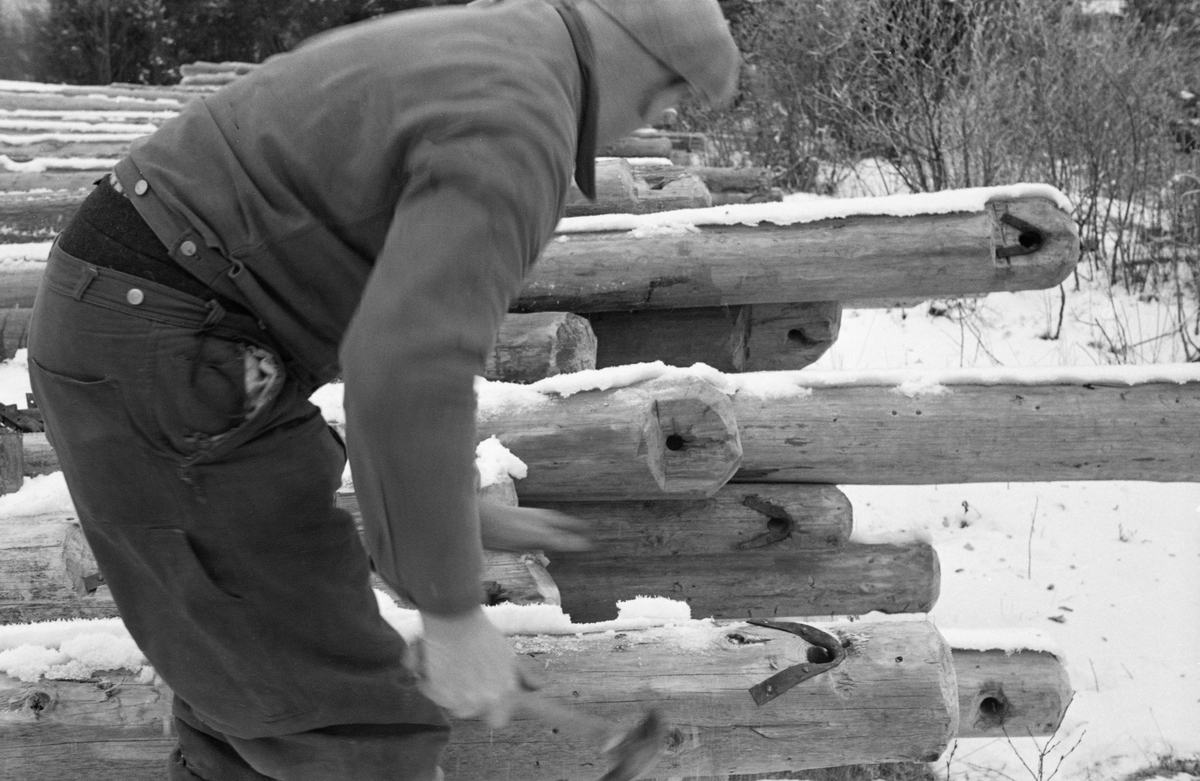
[{"x": 145, "y": 41}]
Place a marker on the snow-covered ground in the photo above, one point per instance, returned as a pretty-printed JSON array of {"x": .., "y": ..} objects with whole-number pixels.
[{"x": 1110, "y": 571}]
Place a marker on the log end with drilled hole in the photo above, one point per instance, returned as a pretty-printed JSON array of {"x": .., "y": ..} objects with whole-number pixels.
[
  {"x": 661, "y": 439},
  {"x": 1021, "y": 694},
  {"x": 790, "y": 336}
]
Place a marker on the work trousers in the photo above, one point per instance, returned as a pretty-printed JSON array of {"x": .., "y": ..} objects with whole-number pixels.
[{"x": 205, "y": 484}]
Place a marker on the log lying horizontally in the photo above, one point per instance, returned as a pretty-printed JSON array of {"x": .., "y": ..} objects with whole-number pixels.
[
  {"x": 864, "y": 255},
  {"x": 754, "y": 337},
  {"x": 892, "y": 699},
  {"x": 849, "y": 580},
  {"x": 1085, "y": 424},
  {"x": 1025, "y": 693},
  {"x": 655, "y": 440},
  {"x": 749, "y": 551},
  {"x": 533, "y": 346}
]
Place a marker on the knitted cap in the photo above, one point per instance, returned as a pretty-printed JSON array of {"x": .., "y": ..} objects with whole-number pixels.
[{"x": 691, "y": 37}]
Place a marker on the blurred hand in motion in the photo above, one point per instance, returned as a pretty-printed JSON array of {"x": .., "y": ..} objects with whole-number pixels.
[
  {"x": 524, "y": 528},
  {"x": 464, "y": 664}
]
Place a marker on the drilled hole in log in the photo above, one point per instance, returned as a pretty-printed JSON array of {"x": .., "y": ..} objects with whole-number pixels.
[
  {"x": 1030, "y": 240},
  {"x": 796, "y": 338},
  {"x": 778, "y": 526},
  {"x": 674, "y": 442},
  {"x": 993, "y": 711},
  {"x": 818, "y": 655}
]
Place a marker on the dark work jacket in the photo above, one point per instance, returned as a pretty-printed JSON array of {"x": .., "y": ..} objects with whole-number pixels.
[{"x": 381, "y": 192}]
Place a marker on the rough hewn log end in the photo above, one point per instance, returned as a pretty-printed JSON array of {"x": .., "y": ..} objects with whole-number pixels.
[
  {"x": 1035, "y": 243},
  {"x": 1019, "y": 694},
  {"x": 691, "y": 437}
]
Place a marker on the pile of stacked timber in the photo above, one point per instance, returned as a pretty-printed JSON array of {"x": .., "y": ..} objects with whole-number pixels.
[{"x": 698, "y": 486}]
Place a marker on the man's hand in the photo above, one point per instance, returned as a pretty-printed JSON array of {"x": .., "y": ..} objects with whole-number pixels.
[
  {"x": 465, "y": 665},
  {"x": 524, "y": 528}
]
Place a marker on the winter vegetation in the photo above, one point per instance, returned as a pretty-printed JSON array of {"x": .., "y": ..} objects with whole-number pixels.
[{"x": 842, "y": 99}]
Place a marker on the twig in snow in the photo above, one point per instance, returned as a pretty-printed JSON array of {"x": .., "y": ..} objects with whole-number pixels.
[{"x": 1029, "y": 550}]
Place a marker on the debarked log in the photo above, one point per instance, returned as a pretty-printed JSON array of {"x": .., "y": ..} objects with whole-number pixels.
[
  {"x": 892, "y": 699},
  {"x": 14, "y": 330},
  {"x": 537, "y": 345},
  {"x": 763, "y": 582},
  {"x": 756, "y": 337},
  {"x": 47, "y": 572},
  {"x": 740, "y": 517},
  {"x": 964, "y": 433},
  {"x": 666, "y": 438},
  {"x": 1016, "y": 693},
  {"x": 863, "y": 256}
]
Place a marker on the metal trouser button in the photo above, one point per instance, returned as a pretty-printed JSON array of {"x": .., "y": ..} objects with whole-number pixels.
[
  {"x": 142, "y": 187},
  {"x": 135, "y": 296},
  {"x": 188, "y": 248}
]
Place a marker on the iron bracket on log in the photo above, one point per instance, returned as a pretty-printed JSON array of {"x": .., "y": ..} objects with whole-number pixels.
[{"x": 827, "y": 652}]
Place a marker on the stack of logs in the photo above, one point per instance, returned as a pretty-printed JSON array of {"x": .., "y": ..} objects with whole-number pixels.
[{"x": 727, "y": 502}]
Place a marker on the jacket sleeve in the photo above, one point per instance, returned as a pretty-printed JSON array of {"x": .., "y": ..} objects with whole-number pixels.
[{"x": 472, "y": 218}]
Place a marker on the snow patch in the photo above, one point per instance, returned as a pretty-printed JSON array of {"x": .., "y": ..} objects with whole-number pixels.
[
  {"x": 797, "y": 212},
  {"x": 38, "y": 495},
  {"x": 22, "y": 257},
  {"x": 42, "y": 164},
  {"x": 495, "y": 462}
]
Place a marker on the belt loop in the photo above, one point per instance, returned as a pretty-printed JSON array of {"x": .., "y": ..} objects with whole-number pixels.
[
  {"x": 216, "y": 313},
  {"x": 89, "y": 275}
]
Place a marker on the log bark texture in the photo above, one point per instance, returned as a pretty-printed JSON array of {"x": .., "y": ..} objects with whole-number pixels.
[
  {"x": 973, "y": 433},
  {"x": 654, "y": 440},
  {"x": 829, "y": 260},
  {"x": 1021, "y": 694},
  {"x": 533, "y": 346},
  {"x": 764, "y": 582}
]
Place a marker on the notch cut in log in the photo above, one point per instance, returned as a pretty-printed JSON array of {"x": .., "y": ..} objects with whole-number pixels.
[
  {"x": 851, "y": 579},
  {"x": 537, "y": 345},
  {"x": 873, "y": 435},
  {"x": 662, "y": 439},
  {"x": 857, "y": 257},
  {"x": 758, "y": 337}
]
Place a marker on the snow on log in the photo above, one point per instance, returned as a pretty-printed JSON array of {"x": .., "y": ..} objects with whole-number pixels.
[
  {"x": 728, "y": 338},
  {"x": 892, "y": 699},
  {"x": 940, "y": 244},
  {"x": 668, "y": 438},
  {"x": 1021, "y": 693},
  {"x": 533, "y": 346},
  {"x": 657, "y": 172},
  {"x": 1077, "y": 429},
  {"x": 852, "y": 579},
  {"x": 618, "y": 191}
]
